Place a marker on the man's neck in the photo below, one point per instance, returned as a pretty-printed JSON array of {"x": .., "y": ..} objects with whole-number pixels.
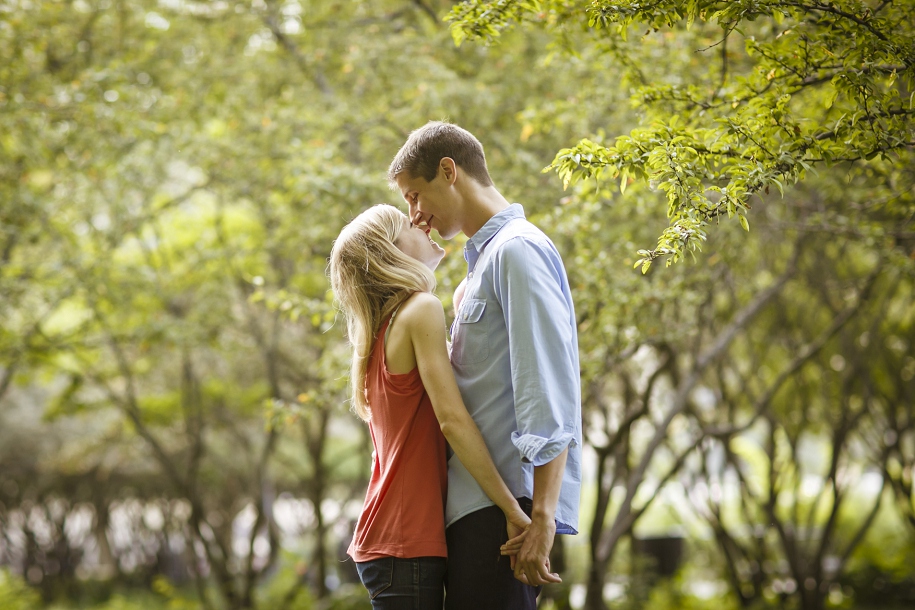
[{"x": 481, "y": 204}]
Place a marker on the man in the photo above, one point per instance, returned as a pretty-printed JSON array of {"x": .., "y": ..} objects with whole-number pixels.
[{"x": 515, "y": 358}]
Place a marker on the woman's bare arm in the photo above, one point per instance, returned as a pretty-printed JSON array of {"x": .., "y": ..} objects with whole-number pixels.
[{"x": 425, "y": 322}]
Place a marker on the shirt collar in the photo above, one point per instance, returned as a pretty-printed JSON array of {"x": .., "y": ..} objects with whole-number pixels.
[{"x": 493, "y": 226}]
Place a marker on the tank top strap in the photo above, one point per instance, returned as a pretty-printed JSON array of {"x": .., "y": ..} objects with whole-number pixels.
[{"x": 391, "y": 322}]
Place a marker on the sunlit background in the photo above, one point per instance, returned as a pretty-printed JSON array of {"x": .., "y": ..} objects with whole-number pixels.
[{"x": 174, "y": 431}]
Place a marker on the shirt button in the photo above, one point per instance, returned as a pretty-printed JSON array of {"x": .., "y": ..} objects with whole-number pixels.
[{"x": 470, "y": 275}]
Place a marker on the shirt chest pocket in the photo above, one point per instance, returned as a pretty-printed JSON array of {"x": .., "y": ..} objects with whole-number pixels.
[{"x": 471, "y": 338}]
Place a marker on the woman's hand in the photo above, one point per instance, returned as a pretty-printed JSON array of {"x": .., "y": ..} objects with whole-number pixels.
[{"x": 516, "y": 524}]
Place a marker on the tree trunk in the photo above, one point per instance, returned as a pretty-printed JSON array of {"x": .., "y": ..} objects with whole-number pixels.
[{"x": 594, "y": 596}]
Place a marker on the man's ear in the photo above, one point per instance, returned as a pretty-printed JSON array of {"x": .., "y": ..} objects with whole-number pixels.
[{"x": 448, "y": 168}]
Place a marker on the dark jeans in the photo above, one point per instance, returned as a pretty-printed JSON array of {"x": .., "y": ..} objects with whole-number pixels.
[
  {"x": 404, "y": 584},
  {"x": 479, "y": 577}
]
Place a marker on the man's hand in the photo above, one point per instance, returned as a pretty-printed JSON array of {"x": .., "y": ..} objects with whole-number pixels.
[{"x": 532, "y": 564}]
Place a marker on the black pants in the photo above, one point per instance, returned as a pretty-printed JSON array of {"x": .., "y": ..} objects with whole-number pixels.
[{"x": 478, "y": 576}]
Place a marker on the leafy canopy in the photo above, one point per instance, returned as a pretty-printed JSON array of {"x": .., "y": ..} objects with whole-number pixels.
[{"x": 798, "y": 86}]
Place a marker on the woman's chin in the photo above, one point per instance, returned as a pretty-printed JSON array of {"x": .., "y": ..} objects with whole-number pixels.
[{"x": 433, "y": 264}]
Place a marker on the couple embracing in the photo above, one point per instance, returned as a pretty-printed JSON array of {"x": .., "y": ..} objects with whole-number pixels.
[{"x": 472, "y": 531}]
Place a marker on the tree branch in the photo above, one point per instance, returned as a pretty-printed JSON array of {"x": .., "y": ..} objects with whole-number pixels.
[
  {"x": 313, "y": 71},
  {"x": 804, "y": 355},
  {"x": 680, "y": 400},
  {"x": 831, "y": 9}
]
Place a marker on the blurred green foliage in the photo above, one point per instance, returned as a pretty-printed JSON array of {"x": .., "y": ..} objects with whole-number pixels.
[
  {"x": 15, "y": 594},
  {"x": 174, "y": 430}
]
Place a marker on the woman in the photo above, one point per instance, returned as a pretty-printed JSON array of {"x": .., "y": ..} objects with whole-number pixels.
[{"x": 402, "y": 385}]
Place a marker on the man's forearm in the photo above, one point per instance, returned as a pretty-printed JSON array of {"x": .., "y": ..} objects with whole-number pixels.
[
  {"x": 547, "y": 484},
  {"x": 532, "y": 565}
]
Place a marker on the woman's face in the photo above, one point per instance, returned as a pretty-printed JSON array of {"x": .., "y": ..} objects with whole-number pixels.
[{"x": 416, "y": 243}]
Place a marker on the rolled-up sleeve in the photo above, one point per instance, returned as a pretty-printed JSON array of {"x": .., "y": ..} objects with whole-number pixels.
[{"x": 537, "y": 307}]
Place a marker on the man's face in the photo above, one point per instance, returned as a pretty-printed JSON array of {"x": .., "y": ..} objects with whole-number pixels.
[{"x": 431, "y": 205}]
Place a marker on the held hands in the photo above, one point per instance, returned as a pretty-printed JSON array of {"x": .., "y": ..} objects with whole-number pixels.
[
  {"x": 528, "y": 546},
  {"x": 531, "y": 562}
]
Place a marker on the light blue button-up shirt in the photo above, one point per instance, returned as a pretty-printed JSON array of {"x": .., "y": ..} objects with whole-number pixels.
[{"x": 515, "y": 357}]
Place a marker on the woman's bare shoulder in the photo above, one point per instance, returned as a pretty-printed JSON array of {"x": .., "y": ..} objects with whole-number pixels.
[
  {"x": 421, "y": 307},
  {"x": 421, "y": 302}
]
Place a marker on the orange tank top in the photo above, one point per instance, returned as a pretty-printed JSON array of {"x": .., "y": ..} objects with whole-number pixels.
[{"x": 404, "y": 510}]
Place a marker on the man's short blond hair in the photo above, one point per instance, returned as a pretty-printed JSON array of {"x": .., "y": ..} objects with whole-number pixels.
[{"x": 419, "y": 157}]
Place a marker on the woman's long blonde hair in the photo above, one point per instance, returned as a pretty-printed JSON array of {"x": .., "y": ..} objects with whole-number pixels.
[{"x": 370, "y": 277}]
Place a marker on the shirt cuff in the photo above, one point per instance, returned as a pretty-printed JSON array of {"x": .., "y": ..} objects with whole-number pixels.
[{"x": 539, "y": 450}]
